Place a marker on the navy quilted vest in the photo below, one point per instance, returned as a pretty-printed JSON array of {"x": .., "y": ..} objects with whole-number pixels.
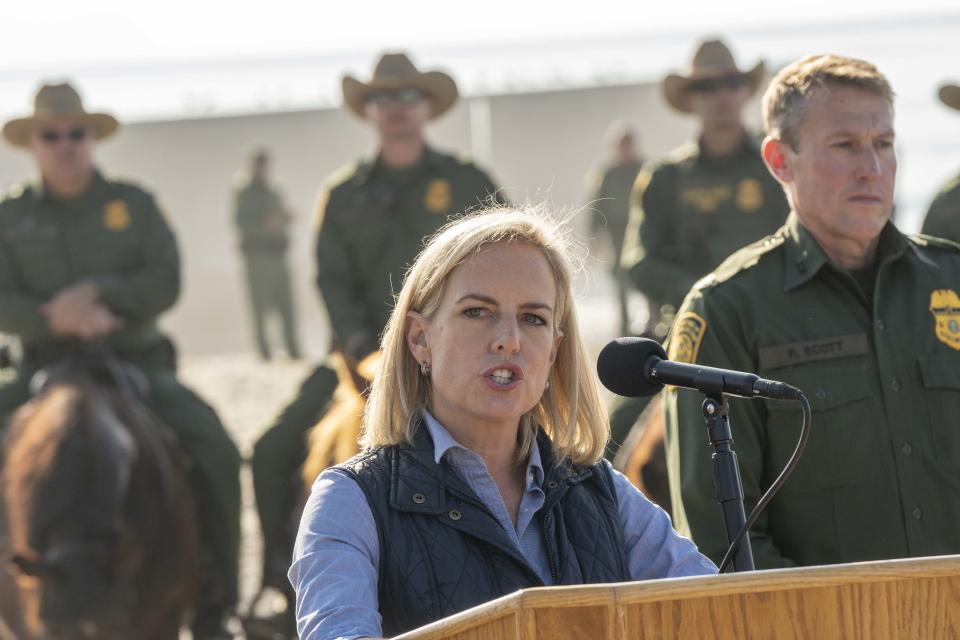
[{"x": 442, "y": 551}]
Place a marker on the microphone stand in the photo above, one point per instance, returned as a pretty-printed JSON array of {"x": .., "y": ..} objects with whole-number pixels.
[{"x": 726, "y": 477}]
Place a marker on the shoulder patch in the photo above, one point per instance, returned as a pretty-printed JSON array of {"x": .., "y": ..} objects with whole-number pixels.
[{"x": 688, "y": 330}]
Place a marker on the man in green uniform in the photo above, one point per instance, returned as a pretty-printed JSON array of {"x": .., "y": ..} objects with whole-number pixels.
[
  {"x": 84, "y": 258},
  {"x": 865, "y": 320},
  {"x": 943, "y": 218},
  {"x": 707, "y": 198},
  {"x": 372, "y": 217},
  {"x": 262, "y": 220},
  {"x": 610, "y": 187}
]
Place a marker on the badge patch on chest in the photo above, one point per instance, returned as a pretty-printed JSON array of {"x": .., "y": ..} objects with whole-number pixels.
[
  {"x": 438, "y": 196},
  {"x": 686, "y": 337},
  {"x": 945, "y": 307},
  {"x": 706, "y": 199},
  {"x": 116, "y": 216},
  {"x": 749, "y": 195}
]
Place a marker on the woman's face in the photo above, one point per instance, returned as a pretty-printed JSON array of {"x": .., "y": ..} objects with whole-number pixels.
[{"x": 492, "y": 341}]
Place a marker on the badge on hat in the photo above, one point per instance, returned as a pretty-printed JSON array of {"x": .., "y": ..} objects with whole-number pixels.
[
  {"x": 749, "y": 195},
  {"x": 438, "y": 196},
  {"x": 945, "y": 307},
  {"x": 116, "y": 216},
  {"x": 686, "y": 337}
]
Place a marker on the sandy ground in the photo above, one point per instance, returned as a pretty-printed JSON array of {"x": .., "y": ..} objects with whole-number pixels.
[{"x": 247, "y": 394}]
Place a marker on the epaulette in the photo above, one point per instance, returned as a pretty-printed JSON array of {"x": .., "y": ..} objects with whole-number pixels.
[
  {"x": 356, "y": 169},
  {"x": 14, "y": 191},
  {"x": 741, "y": 260},
  {"x": 684, "y": 153},
  {"x": 922, "y": 240}
]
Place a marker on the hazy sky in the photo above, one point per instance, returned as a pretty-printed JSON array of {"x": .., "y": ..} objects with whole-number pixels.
[{"x": 44, "y": 33}]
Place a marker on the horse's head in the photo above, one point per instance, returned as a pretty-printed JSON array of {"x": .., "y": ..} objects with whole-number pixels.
[{"x": 67, "y": 471}]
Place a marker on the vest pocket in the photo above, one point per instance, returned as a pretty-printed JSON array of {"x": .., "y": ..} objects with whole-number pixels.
[
  {"x": 940, "y": 373},
  {"x": 843, "y": 448}
]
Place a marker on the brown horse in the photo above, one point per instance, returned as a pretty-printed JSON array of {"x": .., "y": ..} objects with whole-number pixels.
[{"x": 98, "y": 524}]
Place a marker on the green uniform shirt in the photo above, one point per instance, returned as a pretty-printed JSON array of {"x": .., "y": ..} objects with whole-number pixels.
[
  {"x": 114, "y": 236},
  {"x": 690, "y": 211},
  {"x": 372, "y": 223},
  {"x": 880, "y": 477},
  {"x": 611, "y": 200},
  {"x": 256, "y": 202},
  {"x": 943, "y": 218}
]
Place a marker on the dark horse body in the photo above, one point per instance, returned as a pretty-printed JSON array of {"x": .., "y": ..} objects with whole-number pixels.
[{"x": 97, "y": 521}]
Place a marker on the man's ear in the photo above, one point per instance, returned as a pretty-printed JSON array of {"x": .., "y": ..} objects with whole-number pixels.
[
  {"x": 776, "y": 155},
  {"x": 415, "y": 331}
]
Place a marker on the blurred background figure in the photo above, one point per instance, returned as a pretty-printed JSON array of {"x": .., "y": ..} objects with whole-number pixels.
[
  {"x": 943, "y": 217},
  {"x": 263, "y": 222},
  {"x": 609, "y": 207},
  {"x": 691, "y": 210},
  {"x": 707, "y": 198},
  {"x": 86, "y": 259},
  {"x": 372, "y": 217}
]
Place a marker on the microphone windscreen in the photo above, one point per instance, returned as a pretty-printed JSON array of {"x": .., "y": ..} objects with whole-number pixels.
[{"x": 620, "y": 366}]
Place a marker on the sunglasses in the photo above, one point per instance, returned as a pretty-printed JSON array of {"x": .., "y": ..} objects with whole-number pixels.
[
  {"x": 53, "y": 136},
  {"x": 399, "y": 96},
  {"x": 710, "y": 85}
]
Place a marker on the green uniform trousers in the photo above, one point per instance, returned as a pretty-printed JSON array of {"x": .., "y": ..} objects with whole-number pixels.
[
  {"x": 216, "y": 462},
  {"x": 277, "y": 457},
  {"x": 268, "y": 282}
]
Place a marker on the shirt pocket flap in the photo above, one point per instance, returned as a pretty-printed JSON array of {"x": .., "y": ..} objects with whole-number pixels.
[
  {"x": 940, "y": 370},
  {"x": 827, "y": 385}
]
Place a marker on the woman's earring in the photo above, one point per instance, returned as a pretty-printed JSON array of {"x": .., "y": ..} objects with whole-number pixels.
[
  {"x": 547, "y": 385},
  {"x": 424, "y": 368}
]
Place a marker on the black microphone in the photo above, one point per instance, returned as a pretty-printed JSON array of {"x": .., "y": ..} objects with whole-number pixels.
[{"x": 636, "y": 367}]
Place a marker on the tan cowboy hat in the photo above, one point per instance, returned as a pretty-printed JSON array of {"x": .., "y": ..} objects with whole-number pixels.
[
  {"x": 58, "y": 102},
  {"x": 950, "y": 96},
  {"x": 395, "y": 71},
  {"x": 712, "y": 59}
]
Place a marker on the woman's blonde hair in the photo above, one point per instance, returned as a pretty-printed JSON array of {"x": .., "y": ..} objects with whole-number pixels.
[{"x": 570, "y": 410}]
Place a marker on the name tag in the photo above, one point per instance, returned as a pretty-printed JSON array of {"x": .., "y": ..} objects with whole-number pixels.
[{"x": 783, "y": 355}]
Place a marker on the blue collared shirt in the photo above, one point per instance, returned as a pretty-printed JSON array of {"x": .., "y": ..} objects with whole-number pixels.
[{"x": 337, "y": 553}]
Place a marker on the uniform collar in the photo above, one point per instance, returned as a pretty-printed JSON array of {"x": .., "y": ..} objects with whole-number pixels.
[
  {"x": 367, "y": 168},
  {"x": 804, "y": 257},
  {"x": 42, "y": 195}
]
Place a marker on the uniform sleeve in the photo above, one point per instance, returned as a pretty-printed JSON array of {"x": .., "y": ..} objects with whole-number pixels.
[
  {"x": 339, "y": 287},
  {"x": 943, "y": 217},
  {"x": 19, "y": 314},
  {"x": 654, "y": 549},
  {"x": 649, "y": 248},
  {"x": 336, "y": 561},
  {"x": 154, "y": 285},
  {"x": 689, "y": 464}
]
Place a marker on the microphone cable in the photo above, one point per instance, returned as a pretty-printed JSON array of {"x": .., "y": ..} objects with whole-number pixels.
[{"x": 775, "y": 487}]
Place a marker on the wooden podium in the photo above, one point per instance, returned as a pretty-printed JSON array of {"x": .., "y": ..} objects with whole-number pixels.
[{"x": 915, "y": 599}]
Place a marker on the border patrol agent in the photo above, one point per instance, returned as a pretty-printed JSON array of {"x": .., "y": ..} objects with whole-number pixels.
[
  {"x": 262, "y": 219},
  {"x": 609, "y": 188},
  {"x": 83, "y": 258},
  {"x": 943, "y": 217},
  {"x": 707, "y": 198},
  {"x": 863, "y": 319},
  {"x": 372, "y": 217}
]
